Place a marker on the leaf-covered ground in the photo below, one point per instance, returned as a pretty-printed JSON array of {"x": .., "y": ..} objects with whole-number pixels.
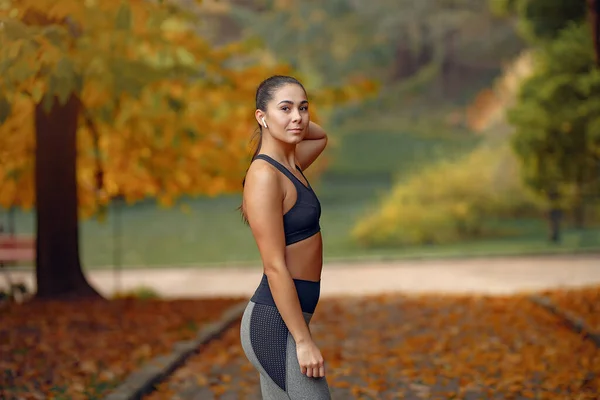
[
  {"x": 80, "y": 350},
  {"x": 585, "y": 303},
  {"x": 426, "y": 347}
]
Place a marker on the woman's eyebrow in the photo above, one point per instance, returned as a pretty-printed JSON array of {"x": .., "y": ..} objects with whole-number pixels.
[{"x": 291, "y": 102}]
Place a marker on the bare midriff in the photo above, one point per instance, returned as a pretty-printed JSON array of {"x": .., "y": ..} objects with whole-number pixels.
[{"x": 304, "y": 259}]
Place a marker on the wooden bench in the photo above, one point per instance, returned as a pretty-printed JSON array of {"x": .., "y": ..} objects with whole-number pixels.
[{"x": 15, "y": 249}]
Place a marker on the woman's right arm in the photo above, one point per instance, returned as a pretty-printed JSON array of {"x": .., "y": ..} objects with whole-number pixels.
[{"x": 263, "y": 205}]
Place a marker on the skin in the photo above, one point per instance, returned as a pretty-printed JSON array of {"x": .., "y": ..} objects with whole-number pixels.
[{"x": 291, "y": 139}]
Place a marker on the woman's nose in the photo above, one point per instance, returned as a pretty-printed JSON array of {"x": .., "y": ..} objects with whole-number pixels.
[{"x": 296, "y": 116}]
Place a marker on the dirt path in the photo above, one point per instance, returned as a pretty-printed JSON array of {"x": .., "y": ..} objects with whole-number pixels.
[{"x": 474, "y": 275}]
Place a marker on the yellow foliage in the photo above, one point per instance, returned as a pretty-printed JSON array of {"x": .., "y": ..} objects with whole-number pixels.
[
  {"x": 16, "y": 155},
  {"x": 451, "y": 201},
  {"x": 161, "y": 115},
  {"x": 447, "y": 202}
]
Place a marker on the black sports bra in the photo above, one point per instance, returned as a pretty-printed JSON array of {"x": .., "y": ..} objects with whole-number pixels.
[{"x": 302, "y": 220}]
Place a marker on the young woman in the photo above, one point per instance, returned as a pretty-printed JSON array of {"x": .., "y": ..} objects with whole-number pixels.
[{"x": 283, "y": 213}]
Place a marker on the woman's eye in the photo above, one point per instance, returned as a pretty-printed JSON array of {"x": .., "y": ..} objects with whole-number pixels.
[{"x": 302, "y": 108}]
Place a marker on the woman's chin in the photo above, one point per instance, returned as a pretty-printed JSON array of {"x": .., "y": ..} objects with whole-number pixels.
[
  {"x": 290, "y": 137},
  {"x": 293, "y": 139},
  {"x": 297, "y": 136}
]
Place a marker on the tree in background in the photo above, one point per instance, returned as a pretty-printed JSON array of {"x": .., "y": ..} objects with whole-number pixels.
[
  {"x": 325, "y": 40},
  {"x": 117, "y": 98},
  {"x": 557, "y": 117},
  {"x": 452, "y": 40},
  {"x": 399, "y": 41},
  {"x": 552, "y": 89},
  {"x": 541, "y": 20}
]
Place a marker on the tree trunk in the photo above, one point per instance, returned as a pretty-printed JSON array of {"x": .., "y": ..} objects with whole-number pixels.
[
  {"x": 426, "y": 50},
  {"x": 407, "y": 62},
  {"x": 579, "y": 216},
  {"x": 579, "y": 208},
  {"x": 404, "y": 60},
  {"x": 58, "y": 268},
  {"x": 449, "y": 76},
  {"x": 554, "y": 216},
  {"x": 594, "y": 12}
]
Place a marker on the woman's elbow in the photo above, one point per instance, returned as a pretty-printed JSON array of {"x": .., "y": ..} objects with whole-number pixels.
[{"x": 275, "y": 270}]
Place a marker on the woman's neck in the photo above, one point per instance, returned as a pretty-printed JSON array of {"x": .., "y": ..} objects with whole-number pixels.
[{"x": 283, "y": 153}]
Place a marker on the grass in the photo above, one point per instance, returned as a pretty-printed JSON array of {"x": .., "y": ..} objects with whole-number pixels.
[
  {"x": 364, "y": 155},
  {"x": 213, "y": 233}
]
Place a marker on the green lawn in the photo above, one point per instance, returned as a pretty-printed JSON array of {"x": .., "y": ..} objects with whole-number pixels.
[
  {"x": 363, "y": 155},
  {"x": 363, "y": 170},
  {"x": 213, "y": 233}
]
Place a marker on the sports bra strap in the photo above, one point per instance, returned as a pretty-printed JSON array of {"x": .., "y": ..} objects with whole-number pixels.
[
  {"x": 284, "y": 170},
  {"x": 302, "y": 173}
]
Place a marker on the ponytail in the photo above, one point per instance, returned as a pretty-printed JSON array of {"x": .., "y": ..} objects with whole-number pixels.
[{"x": 258, "y": 138}]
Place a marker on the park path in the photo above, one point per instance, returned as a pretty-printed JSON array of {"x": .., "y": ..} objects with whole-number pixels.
[
  {"x": 392, "y": 347},
  {"x": 502, "y": 275}
]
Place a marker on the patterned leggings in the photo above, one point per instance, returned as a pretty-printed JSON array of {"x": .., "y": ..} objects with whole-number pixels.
[{"x": 272, "y": 350}]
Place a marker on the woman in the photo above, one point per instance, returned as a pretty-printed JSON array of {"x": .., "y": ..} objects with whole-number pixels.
[{"x": 283, "y": 213}]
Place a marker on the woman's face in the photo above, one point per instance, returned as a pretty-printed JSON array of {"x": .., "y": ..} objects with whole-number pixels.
[{"x": 287, "y": 115}]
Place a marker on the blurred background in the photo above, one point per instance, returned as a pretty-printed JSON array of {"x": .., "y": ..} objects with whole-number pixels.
[{"x": 457, "y": 128}]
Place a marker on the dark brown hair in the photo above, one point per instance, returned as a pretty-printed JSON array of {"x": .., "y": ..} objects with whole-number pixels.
[{"x": 264, "y": 94}]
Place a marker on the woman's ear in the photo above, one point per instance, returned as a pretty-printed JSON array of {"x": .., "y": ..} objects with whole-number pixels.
[{"x": 260, "y": 118}]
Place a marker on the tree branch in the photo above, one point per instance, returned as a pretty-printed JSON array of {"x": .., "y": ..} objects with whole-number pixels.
[{"x": 89, "y": 122}]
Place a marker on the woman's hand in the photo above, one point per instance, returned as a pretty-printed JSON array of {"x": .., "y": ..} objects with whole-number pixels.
[{"x": 310, "y": 359}]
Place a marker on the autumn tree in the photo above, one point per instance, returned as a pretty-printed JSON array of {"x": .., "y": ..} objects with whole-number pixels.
[
  {"x": 117, "y": 98},
  {"x": 557, "y": 121}
]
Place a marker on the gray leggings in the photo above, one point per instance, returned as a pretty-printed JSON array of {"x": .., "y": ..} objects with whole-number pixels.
[{"x": 272, "y": 350}]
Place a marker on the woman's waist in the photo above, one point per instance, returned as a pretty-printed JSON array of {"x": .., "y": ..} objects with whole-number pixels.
[
  {"x": 304, "y": 260},
  {"x": 308, "y": 293}
]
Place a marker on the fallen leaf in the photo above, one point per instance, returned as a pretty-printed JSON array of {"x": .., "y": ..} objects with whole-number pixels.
[
  {"x": 71, "y": 348},
  {"x": 426, "y": 346}
]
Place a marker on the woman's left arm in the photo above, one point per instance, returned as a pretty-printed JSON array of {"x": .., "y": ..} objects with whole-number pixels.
[{"x": 311, "y": 146}]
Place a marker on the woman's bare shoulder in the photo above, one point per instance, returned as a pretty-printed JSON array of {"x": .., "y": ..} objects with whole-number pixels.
[
  {"x": 263, "y": 197},
  {"x": 262, "y": 177}
]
